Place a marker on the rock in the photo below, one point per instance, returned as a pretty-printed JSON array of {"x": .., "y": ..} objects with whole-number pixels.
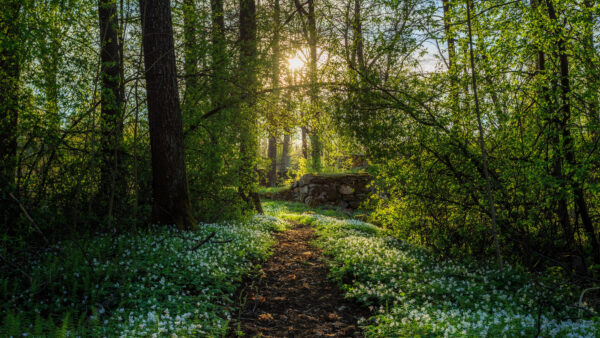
[
  {"x": 346, "y": 190},
  {"x": 306, "y": 179},
  {"x": 311, "y": 201}
]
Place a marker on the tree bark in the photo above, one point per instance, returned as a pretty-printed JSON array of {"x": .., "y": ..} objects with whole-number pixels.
[
  {"x": 191, "y": 57},
  {"x": 272, "y": 155},
  {"x": 304, "y": 133},
  {"x": 567, "y": 138},
  {"x": 171, "y": 203},
  {"x": 218, "y": 54},
  {"x": 112, "y": 179},
  {"x": 358, "y": 37},
  {"x": 248, "y": 142},
  {"x": 454, "y": 90}
]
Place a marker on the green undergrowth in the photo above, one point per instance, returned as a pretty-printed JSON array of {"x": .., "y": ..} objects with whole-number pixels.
[
  {"x": 155, "y": 282},
  {"x": 411, "y": 293}
]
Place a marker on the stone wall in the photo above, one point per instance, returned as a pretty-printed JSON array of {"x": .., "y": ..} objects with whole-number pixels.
[{"x": 346, "y": 191}]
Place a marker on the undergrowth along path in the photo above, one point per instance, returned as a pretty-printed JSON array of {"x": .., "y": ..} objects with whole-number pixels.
[{"x": 294, "y": 298}]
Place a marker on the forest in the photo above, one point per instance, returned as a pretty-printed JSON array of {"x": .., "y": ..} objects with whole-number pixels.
[{"x": 145, "y": 146}]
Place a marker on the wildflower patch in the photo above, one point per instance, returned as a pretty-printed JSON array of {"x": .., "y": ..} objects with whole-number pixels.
[
  {"x": 146, "y": 284},
  {"x": 413, "y": 294}
]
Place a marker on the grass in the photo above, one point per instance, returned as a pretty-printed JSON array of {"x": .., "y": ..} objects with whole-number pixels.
[
  {"x": 271, "y": 190},
  {"x": 137, "y": 284},
  {"x": 280, "y": 208},
  {"x": 411, "y": 293}
]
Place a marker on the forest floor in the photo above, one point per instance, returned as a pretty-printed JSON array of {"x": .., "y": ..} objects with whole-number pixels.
[{"x": 293, "y": 296}]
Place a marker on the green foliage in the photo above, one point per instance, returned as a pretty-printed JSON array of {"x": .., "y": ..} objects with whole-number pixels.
[{"x": 420, "y": 132}]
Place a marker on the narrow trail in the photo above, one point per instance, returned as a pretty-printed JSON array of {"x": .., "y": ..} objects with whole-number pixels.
[{"x": 294, "y": 298}]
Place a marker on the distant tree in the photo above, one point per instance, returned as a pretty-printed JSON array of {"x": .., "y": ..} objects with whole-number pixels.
[
  {"x": 171, "y": 203},
  {"x": 315, "y": 137}
]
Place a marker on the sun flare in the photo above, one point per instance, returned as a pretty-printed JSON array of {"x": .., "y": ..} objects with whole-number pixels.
[{"x": 295, "y": 63}]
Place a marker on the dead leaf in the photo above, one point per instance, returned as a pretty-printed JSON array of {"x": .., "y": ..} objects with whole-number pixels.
[{"x": 265, "y": 317}]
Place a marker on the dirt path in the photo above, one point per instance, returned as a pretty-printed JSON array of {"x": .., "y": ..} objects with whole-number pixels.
[{"x": 294, "y": 298}]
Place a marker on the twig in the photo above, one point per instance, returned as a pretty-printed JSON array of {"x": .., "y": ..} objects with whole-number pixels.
[
  {"x": 202, "y": 242},
  {"x": 580, "y": 304},
  {"x": 29, "y": 218},
  {"x": 223, "y": 242}
]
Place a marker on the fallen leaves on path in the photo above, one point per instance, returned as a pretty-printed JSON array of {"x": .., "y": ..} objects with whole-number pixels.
[{"x": 294, "y": 298}]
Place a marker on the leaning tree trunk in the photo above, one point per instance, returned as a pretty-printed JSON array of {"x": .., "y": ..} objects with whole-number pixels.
[
  {"x": 112, "y": 179},
  {"x": 171, "y": 203},
  {"x": 9, "y": 107}
]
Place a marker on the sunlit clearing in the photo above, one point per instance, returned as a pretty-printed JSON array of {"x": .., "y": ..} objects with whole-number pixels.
[{"x": 295, "y": 63}]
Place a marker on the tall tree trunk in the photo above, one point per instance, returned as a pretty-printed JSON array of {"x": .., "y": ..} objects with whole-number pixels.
[
  {"x": 272, "y": 146},
  {"x": 358, "y": 41},
  {"x": 449, "y": 31},
  {"x": 171, "y": 204},
  {"x": 592, "y": 76},
  {"x": 248, "y": 142},
  {"x": 272, "y": 155},
  {"x": 567, "y": 138},
  {"x": 315, "y": 139},
  {"x": 285, "y": 155},
  {"x": 10, "y": 71},
  {"x": 484, "y": 159},
  {"x": 218, "y": 54},
  {"x": 220, "y": 136},
  {"x": 191, "y": 57},
  {"x": 50, "y": 50},
  {"x": 304, "y": 135},
  {"x": 556, "y": 171},
  {"x": 112, "y": 179}
]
